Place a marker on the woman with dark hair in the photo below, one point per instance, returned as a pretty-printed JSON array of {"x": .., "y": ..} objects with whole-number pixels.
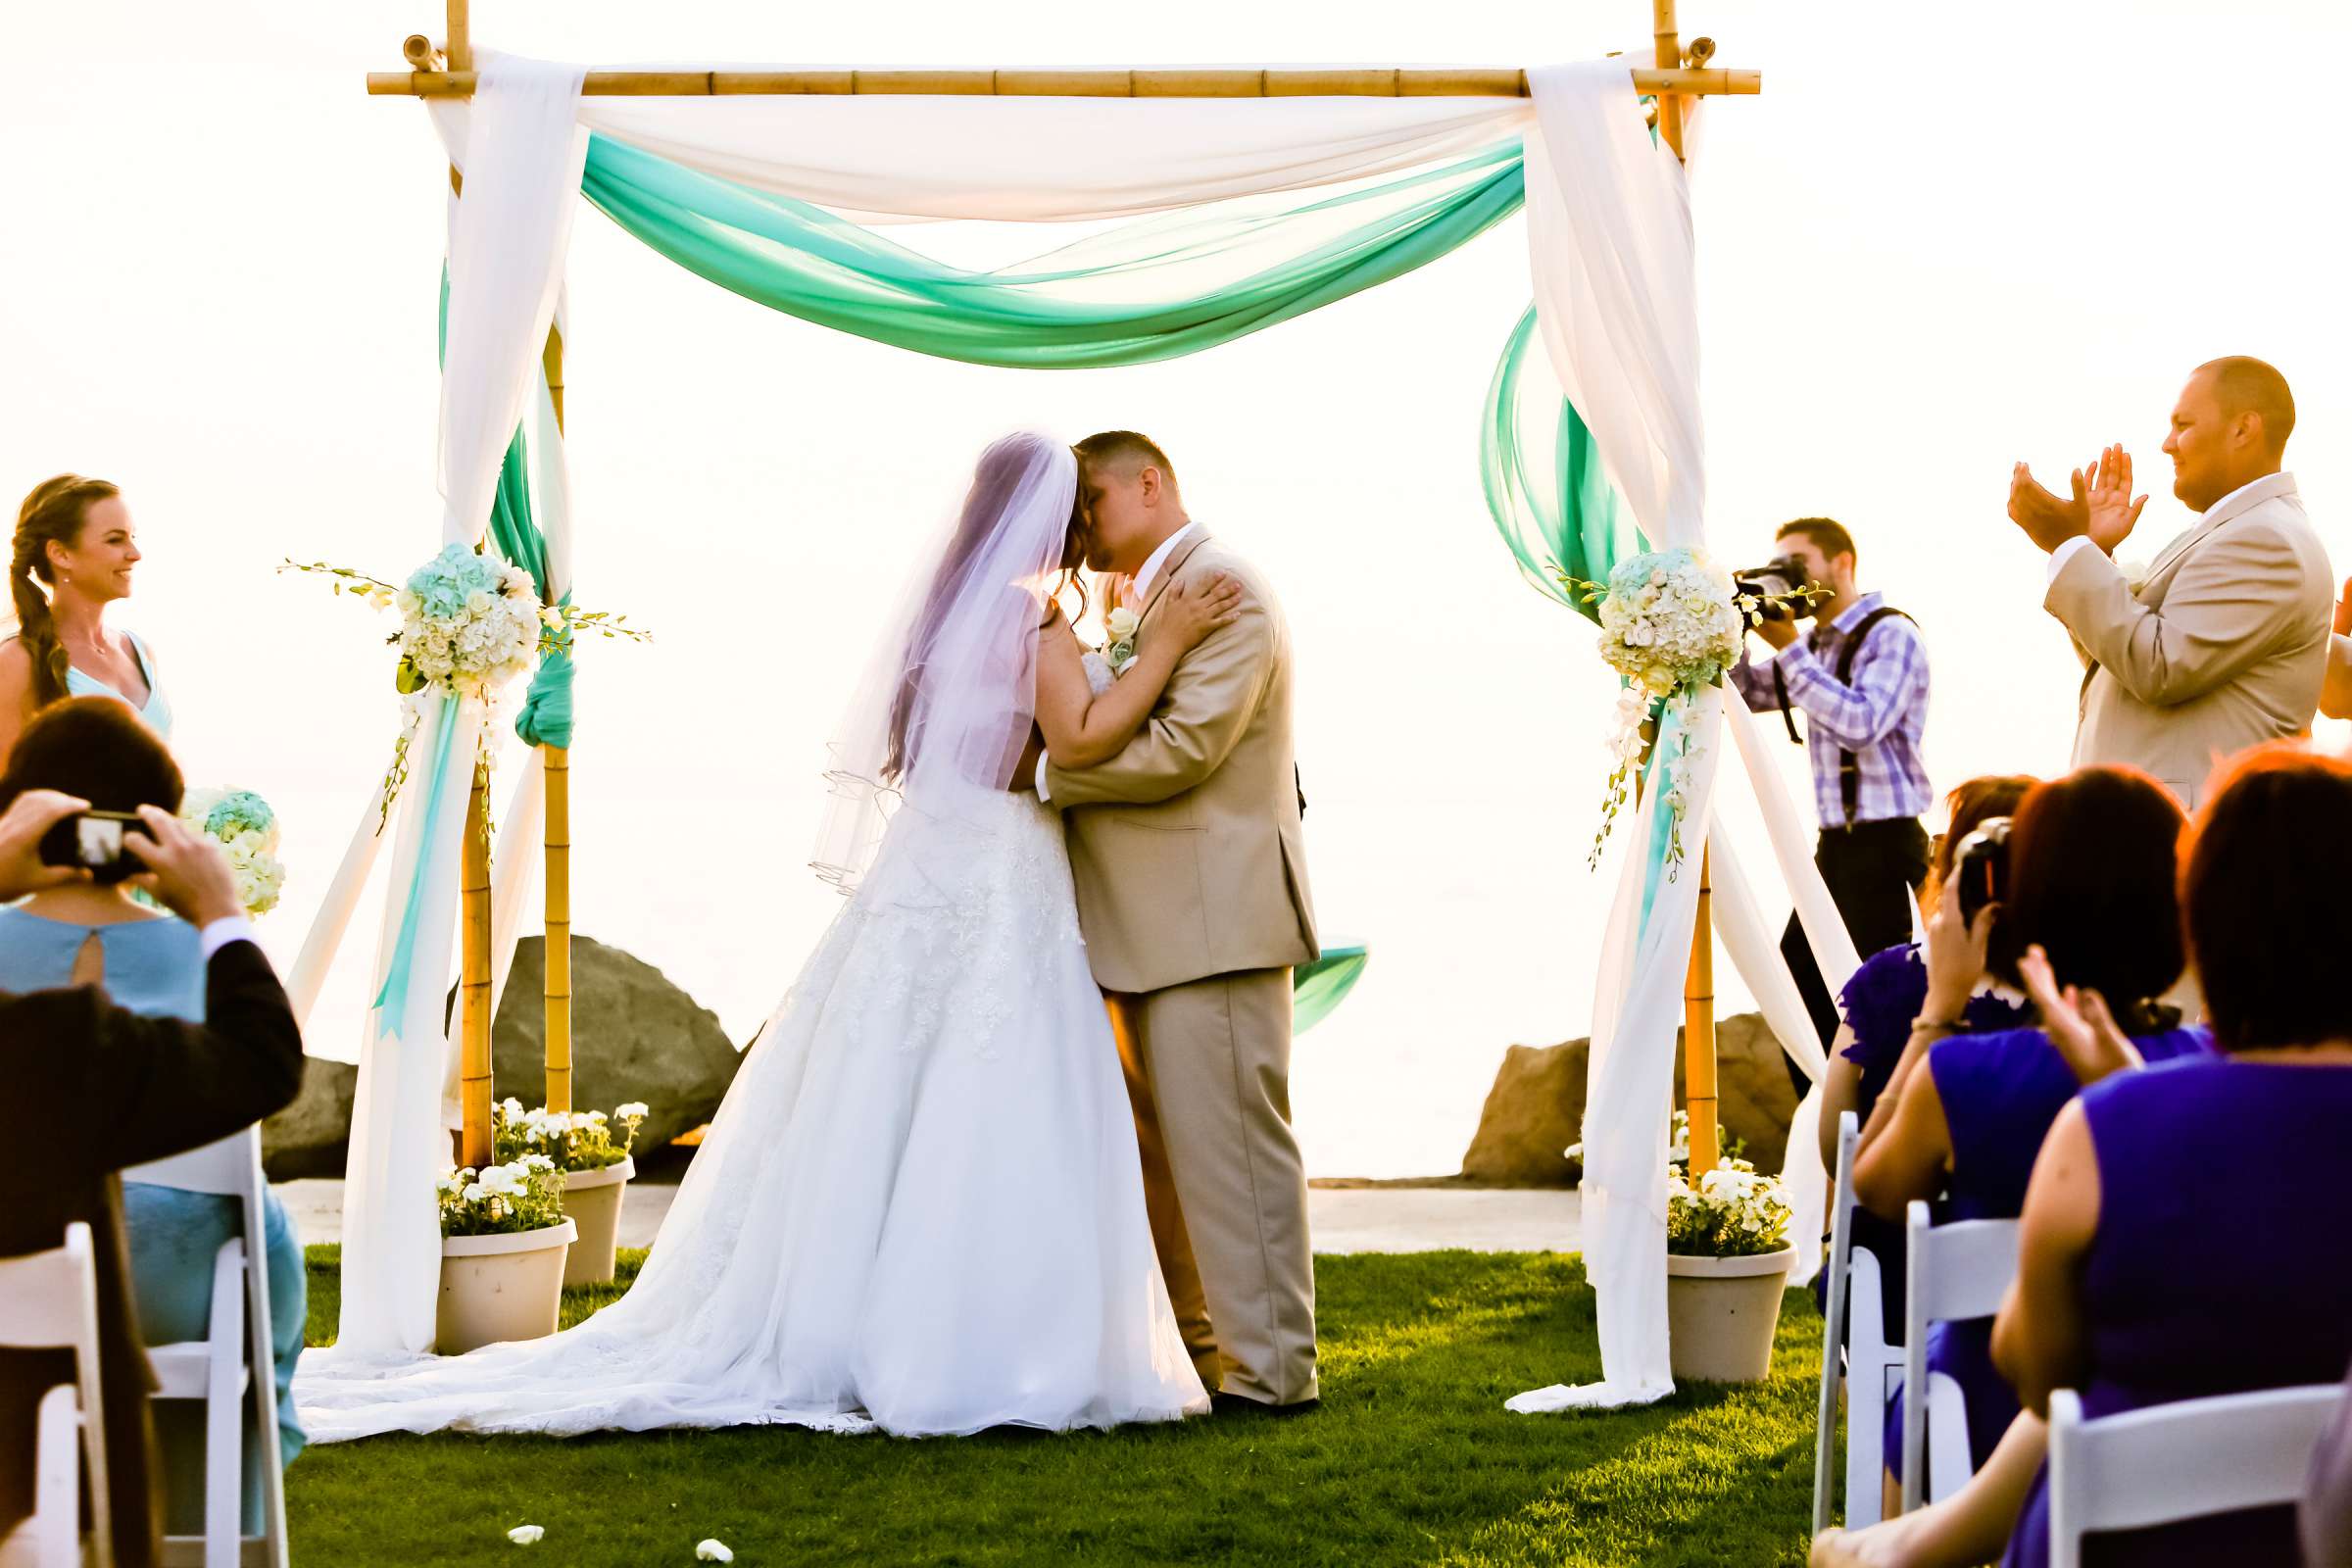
[
  {"x": 2165, "y": 1252},
  {"x": 74, "y": 539},
  {"x": 2091, "y": 880},
  {"x": 1875, "y": 1011},
  {"x": 92, "y": 933}
]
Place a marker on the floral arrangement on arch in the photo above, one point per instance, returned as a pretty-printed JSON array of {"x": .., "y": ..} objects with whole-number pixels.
[
  {"x": 589, "y": 1140},
  {"x": 1671, "y": 624},
  {"x": 525, "y": 1194},
  {"x": 242, "y": 823},
  {"x": 469, "y": 625}
]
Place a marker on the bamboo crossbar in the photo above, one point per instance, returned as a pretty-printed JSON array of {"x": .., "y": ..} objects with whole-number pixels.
[{"x": 1502, "y": 83}]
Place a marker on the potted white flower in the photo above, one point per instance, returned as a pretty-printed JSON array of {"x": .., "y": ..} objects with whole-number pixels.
[
  {"x": 590, "y": 1151},
  {"x": 504, "y": 1237},
  {"x": 1728, "y": 1258}
]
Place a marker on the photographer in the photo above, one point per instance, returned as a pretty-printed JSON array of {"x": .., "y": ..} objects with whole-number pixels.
[{"x": 1860, "y": 678}]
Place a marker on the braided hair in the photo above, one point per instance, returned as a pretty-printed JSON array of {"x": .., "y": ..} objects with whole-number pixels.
[{"x": 55, "y": 511}]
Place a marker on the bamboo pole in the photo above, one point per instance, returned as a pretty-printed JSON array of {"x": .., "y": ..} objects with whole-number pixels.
[
  {"x": 1502, "y": 83},
  {"x": 460, "y": 38},
  {"x": 474, "y": 986},
  {"x": 558, "y": 759},
  {"x": 1698, "y": 1033},
  {"x": 1669, "y": 57}
]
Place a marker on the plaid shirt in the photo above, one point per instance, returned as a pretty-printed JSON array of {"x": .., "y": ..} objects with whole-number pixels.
[{"x": 1880, "y": 717}]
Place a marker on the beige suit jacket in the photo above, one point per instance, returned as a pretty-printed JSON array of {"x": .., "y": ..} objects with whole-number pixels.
[
  {"x": 1186, "y": 846},
  {"x": 2224, "y": 646}
]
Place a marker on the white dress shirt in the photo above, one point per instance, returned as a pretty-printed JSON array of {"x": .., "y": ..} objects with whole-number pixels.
[
  {"x": 219, "y": 934},
  {"x": 1144, "y": 581}
]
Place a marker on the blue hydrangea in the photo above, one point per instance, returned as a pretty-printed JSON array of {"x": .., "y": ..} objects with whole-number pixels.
[
  {"x": 236, "y": 811},
  {"x": 444, "y": 583}
]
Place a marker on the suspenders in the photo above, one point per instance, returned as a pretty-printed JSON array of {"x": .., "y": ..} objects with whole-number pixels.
[{"x": 1850, "y": 766}]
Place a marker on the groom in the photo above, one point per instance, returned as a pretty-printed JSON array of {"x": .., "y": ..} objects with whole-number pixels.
[{"x": 1192, "y": 897}]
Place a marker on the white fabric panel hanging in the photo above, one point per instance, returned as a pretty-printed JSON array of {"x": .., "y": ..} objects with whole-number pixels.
[
  {"x": 1608, "y": 231},
  {"x": 887, "y": 157},
  {"x": 1629, "y": 1083},
  {"x": 521, "y": 148}
]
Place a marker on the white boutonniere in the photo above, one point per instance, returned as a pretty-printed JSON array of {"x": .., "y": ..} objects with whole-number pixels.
[
  {"x": 2136, "y": 575},
  {"x": 1122, "y": 625}
]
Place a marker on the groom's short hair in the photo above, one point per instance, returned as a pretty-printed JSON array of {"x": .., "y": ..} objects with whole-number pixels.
[{"x": 1125, "y": 449}]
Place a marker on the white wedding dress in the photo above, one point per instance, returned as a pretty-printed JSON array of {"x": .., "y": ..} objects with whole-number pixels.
[{"x": 919, "y": 1209}]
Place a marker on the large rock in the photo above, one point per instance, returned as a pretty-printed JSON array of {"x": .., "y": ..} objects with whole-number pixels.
[
  {"x": 635, "y": 1035},
  {"x": 1537, "y": 1107},
  {"x": 308, "y": 1136}
]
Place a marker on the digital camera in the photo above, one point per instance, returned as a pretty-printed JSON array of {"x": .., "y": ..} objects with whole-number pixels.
[
  {"x": 93, "y": 841},
  {"x": 1981, "y": 868},
  {"x": 1776, "y": 578}
]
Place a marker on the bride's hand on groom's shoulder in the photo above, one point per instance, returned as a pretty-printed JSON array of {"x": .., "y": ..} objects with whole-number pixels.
[{"x": 1193, "y": 608}]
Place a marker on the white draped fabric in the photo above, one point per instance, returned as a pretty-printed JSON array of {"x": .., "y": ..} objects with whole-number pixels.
[
  {"x": 1610, "y": 239},
  {"x": 521, "y": 148},
  {"x": 1611, "y": 249},
  {"x": 890, "y": 158}
]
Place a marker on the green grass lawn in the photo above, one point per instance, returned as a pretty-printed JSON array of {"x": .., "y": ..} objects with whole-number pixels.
[{"x": 1411, "y": 1460}]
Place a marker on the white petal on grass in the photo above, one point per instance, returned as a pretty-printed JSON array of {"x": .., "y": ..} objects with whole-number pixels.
[
  {"x": 713, "y": 1552},
  {"x": 526, "y": 1535}
]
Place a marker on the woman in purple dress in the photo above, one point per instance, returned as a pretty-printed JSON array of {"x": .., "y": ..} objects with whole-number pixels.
[
  {"x": 1876, "y": 1008},
  {"x": 2092, "y": 873},
  {"x": 2167, "y": 1252}
]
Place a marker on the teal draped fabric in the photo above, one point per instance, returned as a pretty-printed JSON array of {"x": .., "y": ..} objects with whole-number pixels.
[
  {"x": 808, "y": 262},
  {"x": 399, "y": 974},
  {"x": 1321, "y": 986},
  {"x": 1555, "y": 509},
  {"x": 545, "y": 719}
]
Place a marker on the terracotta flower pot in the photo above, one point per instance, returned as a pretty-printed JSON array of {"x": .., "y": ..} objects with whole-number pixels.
[
  {"x": 1720, "y": 1313},
  {"x": 592, "y": 1200},
  {"x": 496, "y": 1287}
]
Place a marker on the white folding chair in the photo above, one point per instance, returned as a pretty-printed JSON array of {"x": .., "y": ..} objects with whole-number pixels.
[
  {"x": 1872, "y": 1367},
  {"x": 1957, "y": 1271},
  {"x": 2178, "y": 1462},
  {"x": 49, "y": 1301},
  {"x": 232, "y": 1360}
]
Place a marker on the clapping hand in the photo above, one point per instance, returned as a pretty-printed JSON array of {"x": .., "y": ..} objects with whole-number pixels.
[
  {"x": 2077, "y": 1022},
  {"x": 2046, "y": 520},
  {"x": 2107, "y": 499}
]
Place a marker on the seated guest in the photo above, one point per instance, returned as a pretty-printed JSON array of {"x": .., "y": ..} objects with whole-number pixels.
[
  {"x": 95, "y": 1088},
  {"x": 2326, "y": 1516},
  {"x": 2162, "y": 1254},
  {"x": 1875, "y": 1011},
  {"x": 92, "y": 933},
  {"x": 2090, "y": 867}
]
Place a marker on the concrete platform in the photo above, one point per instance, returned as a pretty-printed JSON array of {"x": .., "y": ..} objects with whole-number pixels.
[{"x": 1344, "y": 1219}]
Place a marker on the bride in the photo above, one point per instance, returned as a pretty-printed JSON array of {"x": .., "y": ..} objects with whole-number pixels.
[{"x": 921, "y": 1206}]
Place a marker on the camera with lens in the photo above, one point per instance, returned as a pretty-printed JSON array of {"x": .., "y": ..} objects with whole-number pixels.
[
  {"x": 92, "y": 840},
  {"x": 1774, "y": 580},
  {"x": 1981, "y": 868}
]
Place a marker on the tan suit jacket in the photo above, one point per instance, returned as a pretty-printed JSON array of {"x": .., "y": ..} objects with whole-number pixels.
[
  {"x": 1186, "y": 846},
  {"x": 2224, "y": 646}
]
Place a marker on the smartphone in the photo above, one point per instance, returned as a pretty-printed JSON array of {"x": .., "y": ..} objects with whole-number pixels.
[{"x": 93, "y": 841}]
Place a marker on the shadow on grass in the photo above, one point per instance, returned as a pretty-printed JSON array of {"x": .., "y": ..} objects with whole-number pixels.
[{"x": 1413, "y": 1460}]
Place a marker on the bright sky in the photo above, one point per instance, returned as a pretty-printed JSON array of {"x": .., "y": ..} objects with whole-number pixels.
[{"x": 1945, "y": 239}]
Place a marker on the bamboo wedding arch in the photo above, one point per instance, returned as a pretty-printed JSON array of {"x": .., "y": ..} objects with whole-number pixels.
[{"x": 447, "y": 70}]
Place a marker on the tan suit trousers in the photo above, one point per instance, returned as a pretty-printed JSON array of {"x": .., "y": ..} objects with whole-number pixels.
[{"x": 1208, "y": 1067}]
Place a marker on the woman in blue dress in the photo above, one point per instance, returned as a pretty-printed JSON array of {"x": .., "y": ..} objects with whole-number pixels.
[
  {"x": 2091, "y": 874},
  {"x": 148, "y": 961},
  {"x": 74, "y": 538}
]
